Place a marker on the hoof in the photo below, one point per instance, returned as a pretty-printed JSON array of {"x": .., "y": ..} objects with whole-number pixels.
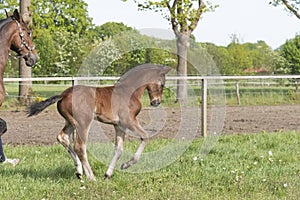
[
  {"x": 124, "y": 166},
  {"x": 107, "y": 177},
  {"x": 79, "y": 176},
  {"x": 3, "y": 127}
]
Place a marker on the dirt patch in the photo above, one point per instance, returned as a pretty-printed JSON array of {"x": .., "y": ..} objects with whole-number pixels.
[
  {"x": 42, "y": 129},
  {"x": 255, "y": 119}
]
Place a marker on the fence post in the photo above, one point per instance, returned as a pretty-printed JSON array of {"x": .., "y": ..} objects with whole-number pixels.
[
  {"x": 204, "y": 107},
  {"x": 237, "y": 87},
  {"x": 74, "y": 81}
]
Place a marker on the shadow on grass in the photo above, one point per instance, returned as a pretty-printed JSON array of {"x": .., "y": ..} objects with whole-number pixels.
[
  {"x": 55, "y": 172},
  {"x": 66, "y": 171}
]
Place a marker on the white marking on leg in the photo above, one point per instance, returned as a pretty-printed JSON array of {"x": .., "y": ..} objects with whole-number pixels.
[
  {"x": 117, "y": 154},
  {"x": 136, "y": 156},
  {"x": 119, "y": 140},
  {"x": 66, "y": 143}
]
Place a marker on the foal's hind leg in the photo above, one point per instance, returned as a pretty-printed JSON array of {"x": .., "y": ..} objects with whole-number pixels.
[
  {"x": 63, "y": 138},
  {"x": 118, "y": 151},
  {"x": 80, "y": 148}
]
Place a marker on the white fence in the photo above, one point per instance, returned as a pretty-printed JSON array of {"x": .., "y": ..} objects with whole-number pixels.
[
  {"x": 168, "y": 78},
  {"x": 205, "y": 82}
]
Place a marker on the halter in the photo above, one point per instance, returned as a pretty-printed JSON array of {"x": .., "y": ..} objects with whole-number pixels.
[{"x": 23, "y": 41}]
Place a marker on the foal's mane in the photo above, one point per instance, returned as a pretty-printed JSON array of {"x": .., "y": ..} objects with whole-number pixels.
[{"x": 134, "y": 74}]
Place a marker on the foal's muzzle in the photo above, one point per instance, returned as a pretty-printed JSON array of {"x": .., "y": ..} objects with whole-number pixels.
[{"x": 155, "y": 102}]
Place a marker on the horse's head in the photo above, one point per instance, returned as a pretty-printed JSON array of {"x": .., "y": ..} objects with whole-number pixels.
[
  {"x": 22, "y": 42},
  {"x": 156, "y": 85}
]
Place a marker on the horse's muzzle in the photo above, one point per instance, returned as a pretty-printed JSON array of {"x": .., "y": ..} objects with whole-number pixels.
[
  {"x": 155, "y": 102},
  {"x": 30, "y": 59}
]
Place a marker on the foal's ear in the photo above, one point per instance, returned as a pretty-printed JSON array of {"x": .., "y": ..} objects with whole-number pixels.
[
  {"x": 164, "y": 70},
  {"x": 17, "y": 15}
]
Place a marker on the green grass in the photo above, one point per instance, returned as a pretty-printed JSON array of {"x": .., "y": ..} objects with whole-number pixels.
[
  {"x": 40, "y": 91},
  {"x": 43, "y": 90},
  {"x": 238, "y": 167},
  {"x": 263, "y": 96}
]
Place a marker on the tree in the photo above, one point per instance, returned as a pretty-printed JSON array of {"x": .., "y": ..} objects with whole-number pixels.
[
  {"x": 262, "y": 57},
  {"x": 222, "y": 58},
  {"x": 250, "y": 58},
  {"x": 61, "y": 53},
  {"x": 25, "y": 87},
  {"x": 183, "y": 16},
  {"x": 8, "y": 5},
  {"x": 291, "y": 52},
  {"x": 239, "y": 57},
  {"x": 110, "y": 29},
  {"x": 293, "y": 6},
  {"x": 63, "y": 35},
  {"x": 69, "y": 15},
  {"x": 100, "y": 59}
]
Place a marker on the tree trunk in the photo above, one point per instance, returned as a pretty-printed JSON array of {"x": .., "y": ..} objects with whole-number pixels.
[
  {"x": 25, "y": 87},
  {"x": 183, "y": 41}
]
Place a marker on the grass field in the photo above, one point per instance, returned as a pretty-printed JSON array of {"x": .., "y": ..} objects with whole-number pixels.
[{"x": 258, "y": 166}]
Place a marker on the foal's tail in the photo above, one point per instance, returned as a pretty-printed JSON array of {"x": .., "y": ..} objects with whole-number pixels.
[{"x": 36, "y": 108}]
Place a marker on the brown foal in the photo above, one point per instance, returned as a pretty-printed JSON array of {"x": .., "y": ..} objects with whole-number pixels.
[{"x": 117, "y": 105}]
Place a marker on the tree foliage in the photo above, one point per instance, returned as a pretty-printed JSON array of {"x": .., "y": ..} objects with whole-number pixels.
[
  {"x": 70, "y": 15},
  {"x": 122, "y": 51},
  {"x": 61, "y": 53},
  {"x": 8, "y": 5},
  {"x": 291, "y": 52},
  {"x": 292, "y": 6},
  {"x": 66, "y": 38},
  {"x": 183, "y": 16},
  {"x": 247, "y": 58},
  {"x": 110, "y": 29}
]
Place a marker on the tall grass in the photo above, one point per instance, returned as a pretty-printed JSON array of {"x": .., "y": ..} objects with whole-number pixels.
[{"x": 260, "y": 166}]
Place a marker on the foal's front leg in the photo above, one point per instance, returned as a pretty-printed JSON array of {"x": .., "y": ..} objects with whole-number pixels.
[
  {"x": 144, "y": 140},
  {"x": 119, "y": 140}
]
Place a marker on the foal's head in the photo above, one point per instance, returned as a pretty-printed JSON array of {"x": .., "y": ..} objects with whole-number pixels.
[
  {"x": 134, "y": 82},
  {"x": 155, "y": 87},
  {"x": 21, "y": 41}
]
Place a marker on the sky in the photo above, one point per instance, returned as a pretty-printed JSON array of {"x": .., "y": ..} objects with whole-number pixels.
[{"x": 250, "y": 20}]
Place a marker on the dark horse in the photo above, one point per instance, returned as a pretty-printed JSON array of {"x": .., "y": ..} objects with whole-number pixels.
[
  {"x": 14, "y": 35},
  {"x": 117, "y": 105}
]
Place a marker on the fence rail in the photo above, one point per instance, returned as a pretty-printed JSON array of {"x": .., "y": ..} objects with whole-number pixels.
[
  {"x": 205, "y": 81},
  {"x": 113, "y": 78}
]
